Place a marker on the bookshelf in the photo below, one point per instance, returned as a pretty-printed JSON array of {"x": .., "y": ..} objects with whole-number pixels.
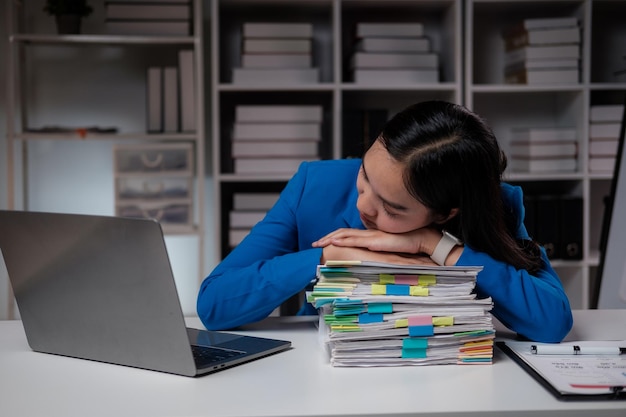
[
  {"x": 467, "y": 36},
  {"x": 102, "y": 81},
  {"x": 334, "y": 24},
  {"x": 552, "y": 105}
]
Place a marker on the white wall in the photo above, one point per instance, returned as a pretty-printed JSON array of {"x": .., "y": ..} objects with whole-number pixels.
[{"x": 91, "y": 86}]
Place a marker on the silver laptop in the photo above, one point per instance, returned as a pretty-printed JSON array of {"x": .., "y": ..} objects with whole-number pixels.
[{"x": 101, "y": 288}]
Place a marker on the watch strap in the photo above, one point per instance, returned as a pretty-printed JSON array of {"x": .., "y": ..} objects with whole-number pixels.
[{"x": 444, "y": 247}]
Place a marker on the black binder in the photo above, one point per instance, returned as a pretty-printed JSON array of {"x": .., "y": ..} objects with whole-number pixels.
[
  {"x": 547, "y": 224},
  {"x": 571, "y": 227}
]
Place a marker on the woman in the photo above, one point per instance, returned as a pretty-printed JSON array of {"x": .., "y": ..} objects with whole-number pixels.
[{"x": 428, "y": 191}]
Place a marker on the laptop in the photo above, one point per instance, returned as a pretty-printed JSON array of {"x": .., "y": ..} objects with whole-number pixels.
[{"x": 101, "y": 288}]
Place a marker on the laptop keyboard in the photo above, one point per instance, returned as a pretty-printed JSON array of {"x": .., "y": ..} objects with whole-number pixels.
[{"x": 207, "y": 355}]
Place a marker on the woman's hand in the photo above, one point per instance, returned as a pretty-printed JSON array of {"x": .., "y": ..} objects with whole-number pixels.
[
  {"x": 341, "y": 253},
  {"x": 420, "y": 241}
]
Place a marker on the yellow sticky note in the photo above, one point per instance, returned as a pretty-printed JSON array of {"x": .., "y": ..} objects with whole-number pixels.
[
  {"x": 402, "y": 323},
  {"x": 379, "y": 289},
  {"x": 426, "y": 280},
  {"x": 443, "y": 321},
  {"x": 418, "y": 291},
  {"x": 386, "y": 279}
]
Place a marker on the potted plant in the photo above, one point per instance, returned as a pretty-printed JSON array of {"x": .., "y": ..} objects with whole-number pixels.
[{"x": 68, "y": 14}]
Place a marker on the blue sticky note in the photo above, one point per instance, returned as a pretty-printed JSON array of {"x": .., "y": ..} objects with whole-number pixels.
[
  {"x": 421, "y": 331},
  {"x": 398, "y": 290},
  {"x": 365, "y": 318}
]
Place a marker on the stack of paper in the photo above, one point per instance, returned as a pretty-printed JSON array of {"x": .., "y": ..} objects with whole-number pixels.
[
  {"x": 543, "y": 149},
  {"x": 376, "y": 314},
  {"x": 393, "y": 52},
  {"x": 543, "y": 51}
]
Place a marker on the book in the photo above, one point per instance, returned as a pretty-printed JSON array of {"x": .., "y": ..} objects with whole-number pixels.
[
  {"x": 277, "y": 30},
  {"x": 254, "y": 201},
  {"x": 533, "y": 149},
  {"x": 389, "y": 45},
  {"x": 360, "y": 128},
  {"x": 571, "y": 227},
  {"x": 543, "y": 76},
  {"x": 573, "y": 377},
  {"x": 389, "y": 76},
  {"x": 148, "y": 27},
  {"x": 278, "y": 76},
  {"x": 545, "y": 23},
  {"x": 543, "y": 165},
  {"x": 245, "y": 219},
  {"x": 394, "y": 60},
  {"x": 278, "y": 113},
  {"x": 253, "y": 149},
  {"x": 308, "y": 131},
  {"x": 389, "y": 29},
  {"x": 154, "y": 99},
  {"x": 170, "y": 100},
  {"x": 527, "y": 53},
  {"x": 187, "y": 84},
  {"x": 273, "y": 46},
  {"x": 606, "y": 113},
  {"x": 603, "y": 147},
  {"x": 132, "y": 11},
  {"x": 276, "y": 60},
  {"x": 539, "y": 64},
  {"x": 604, "y": 130},
  {"x": 604, "y": 164},
  {"x": 542, "y": 37},
  {"x": 543, "y": 134},
  {"x": 547, "y": 221},
  {"x": 284, "y": 166}
]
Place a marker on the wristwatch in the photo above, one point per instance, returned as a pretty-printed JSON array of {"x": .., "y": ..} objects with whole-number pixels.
[{"x": 444, "y": 247}]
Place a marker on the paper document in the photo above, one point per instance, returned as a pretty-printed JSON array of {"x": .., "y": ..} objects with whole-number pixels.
[{"x": 584, "y": 375}]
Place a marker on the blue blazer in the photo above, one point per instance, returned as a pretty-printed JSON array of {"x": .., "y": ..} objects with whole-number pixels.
[{"x": 276, "y": 260}]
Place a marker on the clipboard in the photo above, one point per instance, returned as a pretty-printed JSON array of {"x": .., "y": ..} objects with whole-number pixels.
[{"x": 545, "y": 369}]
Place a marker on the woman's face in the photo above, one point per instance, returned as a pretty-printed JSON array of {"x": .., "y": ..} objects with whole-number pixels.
[{"x": 384, "y": 203}]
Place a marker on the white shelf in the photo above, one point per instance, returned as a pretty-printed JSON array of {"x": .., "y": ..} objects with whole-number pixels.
[
  {"x": 104, "y": 79},
  {"x": 507, "y": 106},
  {"x": 473, "y": 79},
  {"x": 102, "y": 39}
]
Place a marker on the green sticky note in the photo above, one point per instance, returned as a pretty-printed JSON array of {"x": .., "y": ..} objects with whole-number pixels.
[
  {"x": 413, "y": 353},
  {"x": 384, "y": 308},
  {"x": 414, "y": 343}
]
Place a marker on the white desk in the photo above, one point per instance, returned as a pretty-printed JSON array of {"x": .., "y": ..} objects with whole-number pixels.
[{"x": 298, "y": 382}]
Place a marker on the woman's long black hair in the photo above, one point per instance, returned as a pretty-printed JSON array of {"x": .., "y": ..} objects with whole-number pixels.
[{"x": 453, "y": 160}]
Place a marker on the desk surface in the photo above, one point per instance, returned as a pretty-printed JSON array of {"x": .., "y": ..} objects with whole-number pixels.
[{"x": 298, "y": 382}]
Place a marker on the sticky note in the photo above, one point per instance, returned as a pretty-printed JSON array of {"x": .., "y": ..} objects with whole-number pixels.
[
  {"x": 420, "y": 320},
  {"x": 378, "y": 289},
  {"x": 370, "y": 318},
  {"x": 443, "y": 321},
  {"x": 417, "y": 291},
  {"x": 414, "y": 343},
  {"x": 401, "y": 323},
  {"x": 380, "y": 308},
  {"x": 413, "y": 353},
  {"x": 421, "y": 330},
  {"x": 426, "y": 280},
  {"x": 398, "y": 290}
]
